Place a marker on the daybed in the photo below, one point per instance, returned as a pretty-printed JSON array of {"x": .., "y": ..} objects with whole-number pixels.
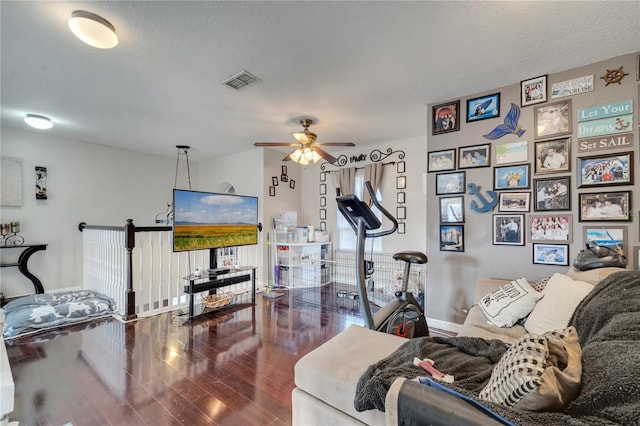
[{"x": 358, "y": 366}]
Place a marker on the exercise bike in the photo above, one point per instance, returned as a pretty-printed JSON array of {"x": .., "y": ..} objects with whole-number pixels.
[{"x": 402, "y": 316}]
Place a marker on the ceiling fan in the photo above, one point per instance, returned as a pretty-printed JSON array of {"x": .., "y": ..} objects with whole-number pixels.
[{"x": 308, "y": 149}]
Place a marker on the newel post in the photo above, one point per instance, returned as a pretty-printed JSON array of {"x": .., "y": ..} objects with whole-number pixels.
[{"x": 130, "y": 243}]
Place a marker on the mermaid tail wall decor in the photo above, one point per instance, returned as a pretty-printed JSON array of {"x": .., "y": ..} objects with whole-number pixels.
[{"x": 510, "y": 125}]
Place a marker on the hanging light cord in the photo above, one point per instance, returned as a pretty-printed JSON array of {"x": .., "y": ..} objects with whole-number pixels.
[{"x": 184, "y": 149}]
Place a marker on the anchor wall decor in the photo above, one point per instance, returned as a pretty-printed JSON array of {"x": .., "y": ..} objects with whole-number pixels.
[{"x": 487, "y": 204}]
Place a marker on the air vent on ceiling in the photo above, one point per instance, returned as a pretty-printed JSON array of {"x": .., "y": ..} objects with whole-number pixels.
[{"x": 240, "y": 80}]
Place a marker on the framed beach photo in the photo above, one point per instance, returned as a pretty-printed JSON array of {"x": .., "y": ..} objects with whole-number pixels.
[
  {"x": 474, "y": 156},
  {"x": 452, "y": 238},
  {"x": 514, "y": 202},
  {"x": 605, "y": 206},
  {"x": 552, "y": 194},
  {"x": 483, "y": 107},
  {"x": 452, "y": 209},
  {"x": 445, "y": 118},
  {"x": 440, "y": 161},
  {"x": 614, "y": 237},
  {"x": 508, "y": 229},
  {"x": 553, "y": 156},
  {"x": 551, "y": 254},
  {"x": 450, "y": 183},
  {"x": 511, "y": 177},
  {"x": 550, "y": 228},
  {"x": 512, "y": 152},
  {"x": 551, "y": 120},
  {"x": 605, "y": 170},
  {"x": 533, "y": 91}
]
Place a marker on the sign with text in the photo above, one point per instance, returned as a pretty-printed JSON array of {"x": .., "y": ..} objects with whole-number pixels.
[
  {"x": 572, "y": 87},
  {"x": 603, "y": 111},
  {"x": 605, "y": 126},
  {"x": 605, "y": 143}
]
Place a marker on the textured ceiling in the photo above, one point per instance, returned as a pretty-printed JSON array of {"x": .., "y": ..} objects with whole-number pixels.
[{"x": 364, "y": 70}]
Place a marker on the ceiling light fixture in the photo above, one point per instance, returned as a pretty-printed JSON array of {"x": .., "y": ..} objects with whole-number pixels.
[
  {"x": 38, "y": 121},
  {"x": 93, "y": 29}
]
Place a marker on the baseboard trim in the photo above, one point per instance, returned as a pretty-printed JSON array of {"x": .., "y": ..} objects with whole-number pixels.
[{"x": 444, "y": 325}]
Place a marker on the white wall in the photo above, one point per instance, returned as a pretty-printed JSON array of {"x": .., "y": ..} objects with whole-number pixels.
[{"x": 86, "y": 183}]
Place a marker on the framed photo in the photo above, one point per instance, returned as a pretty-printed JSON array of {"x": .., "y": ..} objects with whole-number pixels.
[
  {"x": 550, "y": 228},
  {"x": 401, "y": 182},
  {"x": 533, "y": 91},
  {"x": 274, "y": 181},
  {"x": 551, "y": 254},
  {"x": 605, "y": 206},
  {"x": 553, "y": 119},
  {"x": 605, "y": 170},
  {"x": 323, "y": 201},
  {"x": 635, "y": 258},
  {"x": 323, "y": 176},
  {"x": 445, "y": 118},
  {"x": 284, "y": 178},
  {"x": 401, "y": 212},
  {"x": 452, "y": 238},
  {"x": 272, "y": 191},
  {"x": 508, "y": 229},
  {"x": 514, "y": 202},
  {"x": 483, "y": 107},
  {"x": 401, "y": 167},
  {"x": 512, "y": 152},
  {"x": 553, "y": 156},
  {"x": 401, "y": 198},
  {"x": 450, "y": 183},
  {"x": 284, "y": 170},
  {"x": 452, "y": 209},
  {"x": 401, "y": 228},
  {"x": 474, "y": 156},
  {"x": 323, "y": 188},
  {"x": 511, "y": 177},
  {"x": 440, "y": 161},
  {"x": 323, "y": 214},
  {"x": 552, "y": 194},
  {"x": 614, "y": 237},
  {"x": 323, "y": 226},
  {"x": 292, "y": 184}
]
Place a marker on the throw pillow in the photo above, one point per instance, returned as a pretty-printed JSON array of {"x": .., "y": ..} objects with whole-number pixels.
[
  {"x": 538, "y": 373},
  {"x": 540, "y": 284},
  {"x": 594, "y": 276},
  {"x": 512, "y": 301},
  {"x": 561, "y": 297}
]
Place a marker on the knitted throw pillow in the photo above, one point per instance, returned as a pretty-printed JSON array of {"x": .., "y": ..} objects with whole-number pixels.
[{"x": 538, "y": 373}]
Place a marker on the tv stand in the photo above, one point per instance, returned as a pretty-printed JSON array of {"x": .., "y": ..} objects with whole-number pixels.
[{"x": 223, "y": 277}]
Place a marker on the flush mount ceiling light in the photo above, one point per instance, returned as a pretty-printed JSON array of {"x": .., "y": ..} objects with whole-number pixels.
[
  {"x": 93, "y": 29},
  {"x": 38, "y": 121}
]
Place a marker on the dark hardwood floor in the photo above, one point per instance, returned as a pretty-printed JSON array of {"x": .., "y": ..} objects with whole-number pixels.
[{"x": 229, "y": 367}]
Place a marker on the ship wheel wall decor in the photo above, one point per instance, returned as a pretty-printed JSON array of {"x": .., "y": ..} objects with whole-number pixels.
[{"x": 614, "y": 76}]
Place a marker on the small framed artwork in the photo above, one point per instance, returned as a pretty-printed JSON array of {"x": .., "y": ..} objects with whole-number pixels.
[
  {"x": 508, "y": 229},
  {"x": 323, "y": 226},
  {"x": 323, "y": 176},
  {"x": 272, "y": 191},
  {"x": 605, "y": 170},
  {"x": 552, "y": 194},
  {"x": 292, "y": 184},
  {"x": 323, "y": 214},
  {"x": 605, "y": 206},
  {"x": 401, "y": 228},
  {"x": 551, "y": 254},
  {"x": 550, "y": 228},
  {"x": 445, "y": 118},
  {"x": 511, "y": 177},
  {"x": 401, "y": 198},
  {"x": 284, "y": 178},
  {"x": 474, "y": 156},
  {"x": 512, "y": 152},
  {"x": 450, "y": 183},
  {"x": 635, "y": 259},
  {"x": 452, "y": 209},
  {"x": 614, "y": 237},
  {"x": 284, "y": 170},
  {"x": 323, "y": 189},
  {"x": 401, "y": 182},
  {"x": 533, "y": 91},
  {"x": 401, "y": 212},
  {"x": 323, "y": 201},
  {"x": 514, "y": 202},
  {"x": 483, "y": 107},
  {"x": 452, "y": 238},
  {"x": 274, "y": 181},
  {"x": 552, "y": 119},
  {"x": 440, "y": 161},
  {"x": 401, "y": 167},
  {"x": 553, "y": 156}
]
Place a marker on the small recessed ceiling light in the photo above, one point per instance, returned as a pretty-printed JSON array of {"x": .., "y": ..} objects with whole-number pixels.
[
  {"x": 93, "y": 29},
  {"x": 38, "y": 121}
]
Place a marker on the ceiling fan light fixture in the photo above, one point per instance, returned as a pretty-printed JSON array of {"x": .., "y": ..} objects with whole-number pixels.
[
  {"x": 38, "y": 121},
  {"x": 303, "y": 161},
  {"x": 296, "y": 155},
  {"x": 93, "y": 29},
  {"x": 308, "y": 154},
  {"x": 316, "y": 157}
]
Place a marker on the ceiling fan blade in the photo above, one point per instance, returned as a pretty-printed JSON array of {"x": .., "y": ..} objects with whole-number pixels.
[
  {"x": 275, "y": 144},
  {"x": 324, "y": 154},
  {"x": 336, "y": 143}
]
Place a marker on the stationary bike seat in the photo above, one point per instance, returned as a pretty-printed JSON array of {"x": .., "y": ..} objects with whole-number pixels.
[{"x": 411, "y": 257}]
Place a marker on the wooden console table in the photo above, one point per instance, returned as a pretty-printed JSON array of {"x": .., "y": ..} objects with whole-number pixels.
[{"x": 23, "y": 259}]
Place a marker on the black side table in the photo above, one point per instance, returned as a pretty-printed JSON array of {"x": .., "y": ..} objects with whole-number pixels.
[{"x": 23, "y": 259}]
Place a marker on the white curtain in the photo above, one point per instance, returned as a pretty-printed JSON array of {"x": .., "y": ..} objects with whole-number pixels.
[{"x": 373, "y": 174}]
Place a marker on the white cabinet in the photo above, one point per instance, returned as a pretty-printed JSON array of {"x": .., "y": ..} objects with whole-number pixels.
[{"x": 302, "y": 264}]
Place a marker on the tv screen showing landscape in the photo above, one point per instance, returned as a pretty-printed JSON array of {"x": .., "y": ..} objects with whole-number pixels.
[{"x": 204, "y": 220}]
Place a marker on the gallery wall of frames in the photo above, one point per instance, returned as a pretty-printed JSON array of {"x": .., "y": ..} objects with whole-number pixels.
[{"x": 525, "y": 176}]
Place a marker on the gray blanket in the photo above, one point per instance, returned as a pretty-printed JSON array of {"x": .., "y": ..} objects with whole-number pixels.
[{"x": 608, "y": 325}]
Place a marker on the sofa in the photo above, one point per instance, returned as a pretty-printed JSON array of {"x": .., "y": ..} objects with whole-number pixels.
[
  {"x": 6, "y": 380},
  {"x": 607, "y": 319}
]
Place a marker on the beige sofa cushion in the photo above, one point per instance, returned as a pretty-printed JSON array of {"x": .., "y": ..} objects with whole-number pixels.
[
  {"x": 477, "y": 325},
  {"x": 593, "y": 276}
]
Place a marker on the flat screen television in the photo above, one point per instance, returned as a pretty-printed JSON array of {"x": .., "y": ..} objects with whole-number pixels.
[{"x": 207, "y": 220}]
